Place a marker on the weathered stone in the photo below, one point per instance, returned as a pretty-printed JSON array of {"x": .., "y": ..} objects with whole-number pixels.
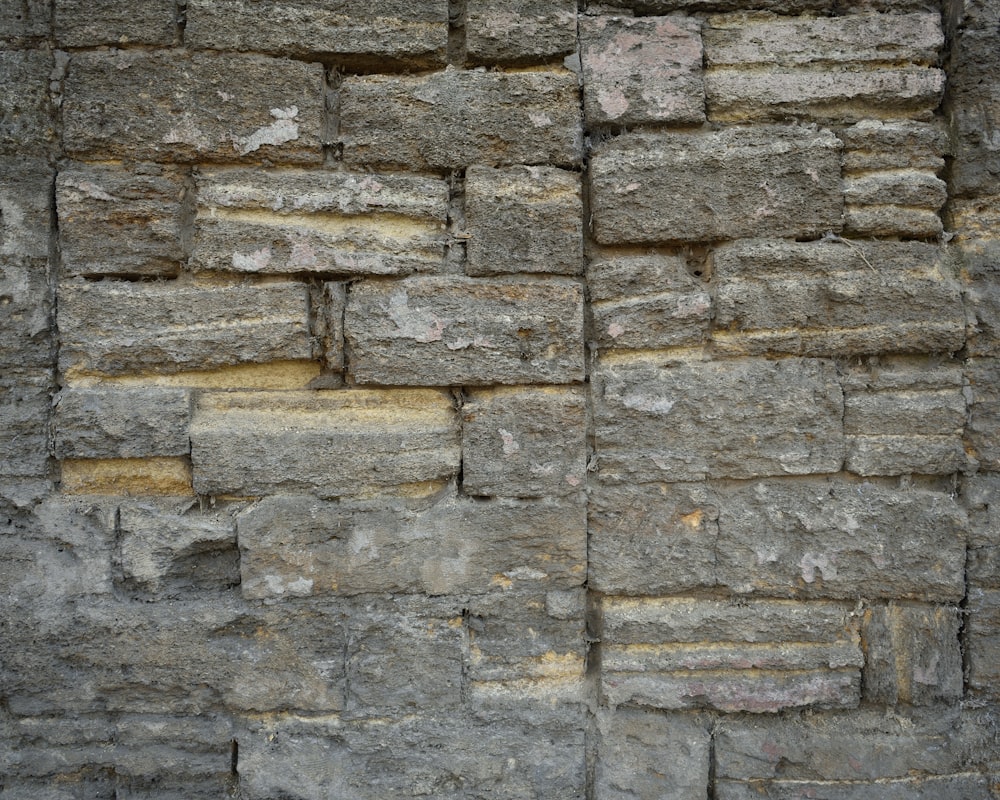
[
  {"x": 891, "y": 220},
  {"x": 691, "y": 187},
  {"x": 642, "y": 70},
  {"x": 825, "y": 539},
  {"x": 25, "y": 313},
  {"x": 966, "y": 786},
  {"x": 24, "y": 22},
  {"x": 117, "y": 221},
  {"x": 873, "y": 145},
  {"x": 25, "y": 401},
  {"x": 652, "y": 539},
  {"x": 382, "y": 33},
  {"x": 163, "y": 106},
  {"x": 118, "y": 327},
  {"x": 86, "y": 23},
  {"x": 778, "y": 6},
  {"x": 264, "y": 221},
  {"x": 643, "y": 754},
  {"x": 121, "y": 423},
  {"x": 912, "y": 654},
  {"x": 981, "y": 496},
  {"x": 299, "y": 546},
  {"x": 647, "y": 301},
  {"x": 523, "y": 219},
  {"x": 157, "y": 476},
  {"x": 763, "y": 656},
  {"x": 835, "y": 298},
  {"x": 330, "y": 323},
  {"x": 974, "y": 103},
  {"x": 455, "y": 118},
  {"x": 901, "y": 418},
  {"x": 675, "y": 421},
  {"x": 519, "y": 31},
  {"x": 980, "y": 260},
  {"x": 172, "y": 546},
  {"x": 982, "y": 433},
  {"x": 524, "y": 442},
  {"x": 903, "y": 203},
  {"x": 982, "y": 642},
  {"x": 25, "y": 208},
  {"x": 325, "y": 443},
  {"x": 26, "y": 124},
  {"x": 441, "y": 331}
]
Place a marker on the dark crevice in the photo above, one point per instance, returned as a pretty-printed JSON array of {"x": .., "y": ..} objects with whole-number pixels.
[{"x": 457, "y": 52}]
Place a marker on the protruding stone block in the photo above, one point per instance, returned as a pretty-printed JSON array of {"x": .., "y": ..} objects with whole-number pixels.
[
  {"x": 982, "y": 642},
  {"x": 519, "y": 31}
]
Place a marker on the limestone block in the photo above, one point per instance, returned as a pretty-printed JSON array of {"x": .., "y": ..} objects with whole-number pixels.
[
  {"x": 647, "y": 302},
  {"x": 86, "y": 23},
  {"x": 399, "y": 32},
  {"x": 443, "y": 331},
  {"x": 167, "y": 106},
  {"x": 523, "y": 219},
  {"x": 981, "y": 496},
  {"x": 675, "y": 421},
  {"x": 841, "y": 540},
  {"x": 25, "y": 313},
  {"x": 677, "y": 653},
  {"x": 121, "y": 422},
  {"x": 24, "y": 23},
  {"x": 524, "y": 442},
  {"x": 982, "y": 433},
  {"x": 777, "y": 6},
  {"x": 873, "y": 145},
  {"x": 519, "y": 31},
  {"x": 118, "y": 221},
  {"x": 729, "y": 184},
  {"x": 156, "y": 476},
  {"x": 980, "y": 259},
  {"x": 964, "y": 784},
  {"x": 975, "y": 102},
  {"x": 298, "y": 546},
  {"x": 112, "y": 327},
  {"x": 652, "y": 539},
  {"x": 457, "y": 118},
  {"x": 25, "y": 208},
  {"x": 912, "y": 654},
  {"x": 281, "y": 221},
  {"x": 329, "y": 443},
  {"x": 25, "y": 401},
  {"x": 26, "y": 123},
  {"x": 982, "y": 642}
]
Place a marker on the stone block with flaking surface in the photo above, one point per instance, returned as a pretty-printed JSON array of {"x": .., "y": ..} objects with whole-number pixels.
[{"x": 519, "y": 31}]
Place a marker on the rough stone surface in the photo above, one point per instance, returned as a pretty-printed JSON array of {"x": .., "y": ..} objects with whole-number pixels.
[
  {"x": 642, "y": 70},
  {"x": 453, "y": 119},
  {"x": 982, "y": 642},
  {"x": 25, "y": 22},
  {"x": 215, "y": 107},
  {"x": 85, "y": 23},
  {"x": 693, "y": 187},
  {"x": 442, "y": 331},
  {"x": 26, "y": 124},
  {"x": 981, "y": 496},
  {"x": 523, "y": 219},
  {"x": 982, "y": 431},
  {"x": 519, "y": 31},
  {"x": 24, "y": 430},
  {"x": 289, "y": 221}
]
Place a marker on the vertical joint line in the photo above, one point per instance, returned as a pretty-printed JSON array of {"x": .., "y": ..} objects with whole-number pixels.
[
  {"x": 457, "y": 16},
  {"x": 333, "y": 149},
  {"x": 180, "y": 21}
]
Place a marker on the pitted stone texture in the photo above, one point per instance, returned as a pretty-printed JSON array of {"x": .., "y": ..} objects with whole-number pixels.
[
  {"x": 694, "y": 187},
  {"x": 164, "y": 106},
  {"x": 763, "y": 656},
  {"x": 674, "y": 421},
  {"x": 982, "y": 433},
  {"x": 121, "y": 422},
  {"x": 114, "y": 328},
  {"x": 843, "y": 68},
  {"x": 980, "y": 262},
  {"x": 524, "y": 442},
  {"x": 458, "y": 331},
  {"x": 523, "y": 219},
  {"x": 642, "y": 70},
  {"x": 303, "y": 547},
  {"x": 647, "y": 301},
  {"x": 981, "y": 496},
  {"x": 457, "y": 118},
  {"x": 287, "y": 221},
  {"x": 328, "y": 443},
  {"x": 904, "y": 417},
  {"x": 380, "y": 32},
  {"x": 24, "y": 22},
  {"x": 875, "y": 145},
  {"x": 519, "y": 31},
  {"x": 904, "y": 203},
  {"x": 26, "y": 112},
  {"x": 832, "y": 298},
  {"x": 982, "y": 642},
  {"x": 119, "y": 221},
  {"x": 87, "y": 23},
  {"x": 777, "y": 6},
  {"x": 25, "y": 401}
]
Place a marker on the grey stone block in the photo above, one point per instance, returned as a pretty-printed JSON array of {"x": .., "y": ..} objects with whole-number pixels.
[
  {"x": 119, "y": 221},
  {"x": 282, "y": 221},
  {"x": 456, "y": 118},
  {"x": 873, "y": 145},
  {"x": 982, "y": 643},
  {"x": 524, "y": 442},
  {"x": 25, "y": 22},
  {"x": 443, "y": 331},
  {"x": 981, "y": 496},
  {"x": 25, "y": 402},
  {"x": 26, "y": 111},
  {"x": 523, "y": 219},
  {"x": 673, "y": 421},
  {"x": 982, "y": 432},
  {"x": 519, "y": 31},
  {"x": 695, "y": 187},
  {"x": 975, "y": 100},
  {"x": 167, "y": 106},
  {"x": 980, "y": 261},
  {"x": 113, "y": 327},
  {"x": 328, "y": 443},
  {"x": 86, "y": 23},
  {"x": 966, "y": 786}
]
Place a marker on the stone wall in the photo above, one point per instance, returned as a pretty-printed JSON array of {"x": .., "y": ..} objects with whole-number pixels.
[{"x": 499, "y": 398}]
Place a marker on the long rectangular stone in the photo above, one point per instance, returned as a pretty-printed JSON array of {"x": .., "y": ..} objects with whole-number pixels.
[
  {"x": 982, "y": 642},
  {"x": 25, "y": 403},
  {"x": 457, "y": 118},
  {"x": 982, "y": 432},
  {"x": 282, "y": 221},
  {"x": 729, "y": 184},
  {"x": 295, "y": 546},
  {"x": 119, "y": 221},
  {"x": 968, "y": 786},
  {"x": 836, "y": 298},
  {"x": 379, "y": 32},
  {"x": 24, "y": 22},
  {"x": 875, "y": 145},
  {"x": 27, "y": 126},
  {"x": 981, "y": 496},
  {"x": 112, "y": 327},
  {"x": 168, "y": 106},
  {"x": 677, "y": 421},
  {"x": 329, "y": 443},
  {"x": 519, "y": 31},
  {"x": 88, "y": 23},
  {"x": 447, "y": 331}
]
